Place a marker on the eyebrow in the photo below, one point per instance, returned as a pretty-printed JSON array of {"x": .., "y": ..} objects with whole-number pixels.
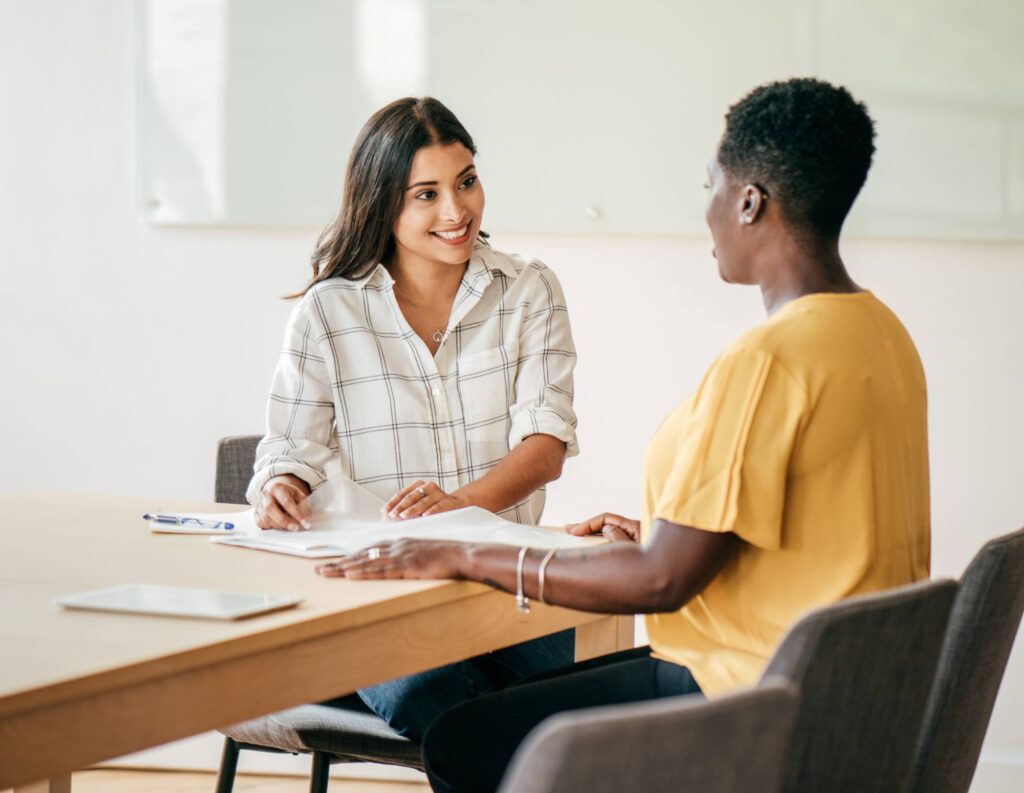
[{"x": 463, "y": 172}]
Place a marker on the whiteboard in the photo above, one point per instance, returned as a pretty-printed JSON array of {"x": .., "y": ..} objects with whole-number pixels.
[{"x": 591, "y": 117}]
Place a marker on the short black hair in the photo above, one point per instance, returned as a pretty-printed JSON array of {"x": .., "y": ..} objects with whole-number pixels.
[{"x": 807, "y": 143}]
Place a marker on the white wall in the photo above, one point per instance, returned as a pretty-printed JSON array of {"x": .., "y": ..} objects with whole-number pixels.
[{"x": 127, "y": 350}]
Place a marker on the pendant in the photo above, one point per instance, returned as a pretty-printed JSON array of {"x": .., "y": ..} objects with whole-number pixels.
[{"x": 438, "y": 336}]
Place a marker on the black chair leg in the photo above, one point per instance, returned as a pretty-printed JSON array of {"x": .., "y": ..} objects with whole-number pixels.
[
  {"x": 321, "y": 772},
  {"x": 228, "y": 764}
]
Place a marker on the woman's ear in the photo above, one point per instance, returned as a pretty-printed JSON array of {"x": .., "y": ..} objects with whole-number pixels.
[{"x": 752, "y": 203}]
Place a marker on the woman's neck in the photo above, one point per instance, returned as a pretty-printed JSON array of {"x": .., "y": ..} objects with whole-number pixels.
[
  {"x": 425, "y": 282},
  {"x": 802, "y": 267}
]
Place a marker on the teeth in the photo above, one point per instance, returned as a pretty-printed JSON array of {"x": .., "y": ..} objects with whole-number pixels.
[{"x": 452, "y": 235}]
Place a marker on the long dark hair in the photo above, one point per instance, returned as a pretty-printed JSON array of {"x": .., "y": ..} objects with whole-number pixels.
[{"x": 361, "y": 235}]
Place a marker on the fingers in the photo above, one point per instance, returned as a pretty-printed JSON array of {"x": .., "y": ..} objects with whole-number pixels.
[
  {"x": 414, "y": 500},
  {"x": 598, "y": 524},
  {"x": 283, "y": 507},
  {"x": 629, "y": 526},
  {"x": 592, "y": 526},
  {"x": 296, "y": 508},
  {"x": 330, "y": 570},
  {"x": 446, "y": 504},
  {"x": 397, "y": 497},
  {"x": 434, "y": 559},
  {"x": 271, "y": 515},
  {"x": 427, "y": 502},
  {"x": 615, "y": 534},
  {"x": 373, "y": 562}
]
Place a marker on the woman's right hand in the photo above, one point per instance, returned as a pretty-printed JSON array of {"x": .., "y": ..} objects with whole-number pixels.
[
  {"x": 614, "y": 527},
  {"x": 283, "y": 504}
]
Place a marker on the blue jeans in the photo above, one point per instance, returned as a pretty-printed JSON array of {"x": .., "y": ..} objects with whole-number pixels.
[{"x": 411, "y": 704}]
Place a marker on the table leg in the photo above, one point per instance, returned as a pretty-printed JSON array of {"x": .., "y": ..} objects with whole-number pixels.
[{"x": 56, "y": 784}]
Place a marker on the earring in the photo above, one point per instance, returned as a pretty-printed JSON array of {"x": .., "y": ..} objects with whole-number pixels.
[{"x": 746, "y": 219}]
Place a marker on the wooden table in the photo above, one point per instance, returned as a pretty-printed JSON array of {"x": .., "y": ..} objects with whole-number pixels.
[{"x": 80, "y": 687}]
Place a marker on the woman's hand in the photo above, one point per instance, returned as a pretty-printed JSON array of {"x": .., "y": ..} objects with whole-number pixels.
[
  {"x": 402, "y": 559},
  {"x": 422, "y": 498},
  {"x": 283, "y": 504},
  {"x": 614, "y": 527}
]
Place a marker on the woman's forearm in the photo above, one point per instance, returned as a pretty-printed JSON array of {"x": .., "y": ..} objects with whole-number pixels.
[
  {"x": 610, "y": 579},
  {"x": 618, "y": 578},
  {"x": 675, "y": 564},
  {"x": 532, "y": 464}
]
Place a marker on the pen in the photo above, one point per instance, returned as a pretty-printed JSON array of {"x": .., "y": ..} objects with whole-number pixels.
[{"x": 184, "y": 520}]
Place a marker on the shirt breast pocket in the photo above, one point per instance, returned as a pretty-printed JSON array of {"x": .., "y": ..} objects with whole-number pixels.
[{"x": 487, "y": 389}]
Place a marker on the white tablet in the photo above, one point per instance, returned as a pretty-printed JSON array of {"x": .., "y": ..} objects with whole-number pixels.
[{"x": 172, "y": 601}]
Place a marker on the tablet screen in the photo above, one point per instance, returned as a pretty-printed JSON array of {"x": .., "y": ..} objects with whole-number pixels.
[{"x": 178, "y": 602}]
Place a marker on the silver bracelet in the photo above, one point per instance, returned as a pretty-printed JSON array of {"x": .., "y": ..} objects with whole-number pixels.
[
  {"x": 522, "y": 601},
  {"x": 540, "y": 574}
]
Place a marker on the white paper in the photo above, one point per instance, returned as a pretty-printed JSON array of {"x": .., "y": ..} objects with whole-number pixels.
[
  {"x": 341, "y": 496},
  {"x": 334, "y": 535}
]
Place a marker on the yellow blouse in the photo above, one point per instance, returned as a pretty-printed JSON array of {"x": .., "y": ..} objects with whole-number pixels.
[{"x": 807, "y": 438}]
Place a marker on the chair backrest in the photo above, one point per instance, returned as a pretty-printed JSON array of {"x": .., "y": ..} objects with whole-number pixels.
[
  {"x": 235, "y": 457},
  {"x": 864, "y": 667},
  {"x": 734, "y": 744},
  {"x": 985, "y": 619}
]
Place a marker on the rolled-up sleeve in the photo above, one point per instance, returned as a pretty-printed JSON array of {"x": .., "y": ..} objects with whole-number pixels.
[
  {"x": 300, "y": 411},
  {"x": 547, "y": 357}
]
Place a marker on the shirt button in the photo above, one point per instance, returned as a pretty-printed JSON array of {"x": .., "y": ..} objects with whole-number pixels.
[{"x": 435, "y": 391}]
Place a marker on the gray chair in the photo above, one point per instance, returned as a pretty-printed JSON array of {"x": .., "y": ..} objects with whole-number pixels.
[
  {"x": 342, "y": 730},
  {"x": 236, "y": 456},
  {"x": 982, "y": 627},
  {"x": 864, "y": 668},
  {"x": 734, "y": 744}
]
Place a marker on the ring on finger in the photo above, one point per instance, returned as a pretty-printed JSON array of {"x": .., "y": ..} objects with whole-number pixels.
[
  {"x": 373, "y": 554},
  {"x": 421, "y": 491}
]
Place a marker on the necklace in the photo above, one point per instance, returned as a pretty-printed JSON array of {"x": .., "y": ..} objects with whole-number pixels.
[{"x": 438, "y": 334}]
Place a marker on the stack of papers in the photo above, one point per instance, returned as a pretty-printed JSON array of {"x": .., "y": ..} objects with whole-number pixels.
[
  {"x": 340, "y": 535},
  {"x": 347, "y": 517}
]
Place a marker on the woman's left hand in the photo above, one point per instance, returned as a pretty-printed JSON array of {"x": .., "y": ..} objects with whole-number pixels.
[
  {"x": 420, "y": 499},
  {"x": 434, "y": 559}
]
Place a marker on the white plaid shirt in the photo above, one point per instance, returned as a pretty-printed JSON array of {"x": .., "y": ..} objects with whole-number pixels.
[{"x": 354, "y": 380}]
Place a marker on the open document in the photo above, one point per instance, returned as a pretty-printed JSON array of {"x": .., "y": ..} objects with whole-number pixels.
[{"x": 348, "y": 518}]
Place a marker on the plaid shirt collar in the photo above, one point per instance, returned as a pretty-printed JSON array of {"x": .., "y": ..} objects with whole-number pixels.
[{"x": 480, "y": 272}]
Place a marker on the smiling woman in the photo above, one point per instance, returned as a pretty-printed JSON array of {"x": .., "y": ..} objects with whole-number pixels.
[
  {"x": 437, "y": 370},
  {"x": 439, "y": 223}
]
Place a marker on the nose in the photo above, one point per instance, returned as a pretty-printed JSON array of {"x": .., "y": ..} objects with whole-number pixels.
[{"x": 452, "y": 208}]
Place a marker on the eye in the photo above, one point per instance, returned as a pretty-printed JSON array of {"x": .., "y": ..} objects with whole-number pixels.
[
  {"x": 426, "y": 195},
  {"x": 469, "y": 181}
]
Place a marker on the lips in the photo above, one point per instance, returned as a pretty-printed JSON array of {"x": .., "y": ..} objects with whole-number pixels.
[{"x": 453, "y": 236}]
